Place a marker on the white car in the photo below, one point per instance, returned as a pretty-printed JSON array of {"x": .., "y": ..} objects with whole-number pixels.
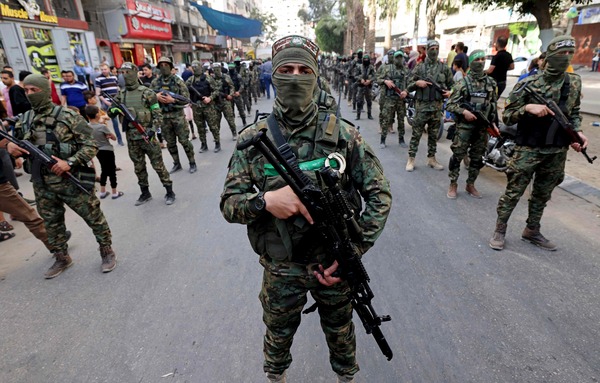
[{"x": 521, "y": 65}]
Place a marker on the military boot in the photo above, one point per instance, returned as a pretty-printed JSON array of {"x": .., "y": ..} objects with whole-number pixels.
[
  {"x": 144, "y": 197},
  {"x": 357, "y": 115},
  {"x": 472, "y": 191},
  {"x": 345, "y": 378},
  {"x": 193, "y": 167},
  {"x": 369, "y": 115},
  {"x": 217, "y": 147},
  {"x": 497, "y": 240},
  {"x": 63, "y": 262},
  {"x": 410, "y": 165},
  {"x": 533, "y": 235},
  {"x": 170, "y": 196},
  {"x": 452, "y": 191},
  {"x": 203, "y": 147},
  {"x": 432, "y": 163},
  {"x": 353, "y": 106},
  {"x": 401, "y": 142},
  {"x": 234, "y": 136},
  {"x": 109, "y": 259},
  {"x": 382, "y": 143},
  {"x": 176, "y": 167},
  {"x": 276, "y": 378},
  {"x": 244, "y": 120}
]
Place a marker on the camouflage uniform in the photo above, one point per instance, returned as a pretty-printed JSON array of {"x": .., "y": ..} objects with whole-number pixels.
[
  {"x": 224, "y": 107},
  {"x": 73, "y": 142},
  {"x": 246, "y": 94},
  {"x": 238, "y": 101},
  {"x": 175, "y": 127},
  {"x": 147, "y": 111},
  {"x": 351, "y": 76},
  {"x": 546, "y": 162},
  {"x": 205, "y": 114},
  {"x": 364, "y": 73},
  {"x": 469, "y": 138},
  {"x": 390, "y": 104},
  {"x": 323, "y": 98},
  {"x": 289, "y": 249}
]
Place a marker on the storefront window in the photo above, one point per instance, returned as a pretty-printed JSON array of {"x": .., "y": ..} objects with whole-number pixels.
[
  {"x": 150, "y": 54},
  {"x": 127, "y": 55},
  {"x": 41, "y": 51}
]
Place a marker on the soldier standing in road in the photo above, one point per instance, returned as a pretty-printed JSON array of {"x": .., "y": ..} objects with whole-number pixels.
[
  {"x": 238, "y": 89},
  {"x": 429, "y": 103},
  {"x": 533, "y": 158},
  {"x": 365, "y": 75},
  {"x": 203, "y": 91},
  {"x": 355, "y": 62},
  {"x": 392, "y": 105},
  {"x": 142, "y": 102},
  {"x": 266, "y": 205},
  {"x": 246, "y": 95},
  {"x": 224, "y": 101},
  {"x": 174, "y": 127},
  {"x": 64, "y": 135},
  {"x": 479, "y": 91}
]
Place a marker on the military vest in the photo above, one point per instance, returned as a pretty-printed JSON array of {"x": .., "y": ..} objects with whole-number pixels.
[
  {"x": 171, "y": 86},
  {"x": 237, "y": 83},
  {"x": 398, "y": 76},
  {"x": 40, "y": 131},
  {"x": 134, "y": 101},
  {"x": 202, "y": 86},
  {"x": 434, "y": 72}
]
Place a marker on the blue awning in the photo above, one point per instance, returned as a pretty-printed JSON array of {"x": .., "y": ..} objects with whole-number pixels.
[{"x": 229, "y": 24}]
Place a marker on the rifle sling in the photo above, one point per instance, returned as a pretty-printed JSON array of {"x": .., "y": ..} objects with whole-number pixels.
[{"x": 562, "y": 102}]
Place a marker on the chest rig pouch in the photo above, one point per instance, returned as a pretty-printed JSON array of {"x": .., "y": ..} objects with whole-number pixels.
[
  {"x": 170, "y": 86},
  {"x": 295, "y": 240},
  {"x": 544, "y": 132},
  {"x": 134, "y": 102}
]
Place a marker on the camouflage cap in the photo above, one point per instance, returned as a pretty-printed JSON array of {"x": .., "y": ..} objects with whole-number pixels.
[
  {"x": 432, "y": 43},
  {"x": 559, "y": 44},
  {"x": 391, "y": 52},
  {"x": 129, "y": 66},
  {"x": 165, "y": 59},
  {"x": 295, "y": 49},
  {"x": 476, "y": 54}
]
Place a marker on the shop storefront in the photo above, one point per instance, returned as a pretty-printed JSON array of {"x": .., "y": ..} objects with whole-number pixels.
[
  {"x": 142, "y": 34},
  {"x": 32, "y": 38}
]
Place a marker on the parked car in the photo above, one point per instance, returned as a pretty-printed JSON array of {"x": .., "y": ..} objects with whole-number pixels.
[{"x": 521, "y": 64}]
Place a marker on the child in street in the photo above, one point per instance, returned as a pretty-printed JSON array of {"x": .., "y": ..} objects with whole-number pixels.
[{"x": 106, "y": 153}]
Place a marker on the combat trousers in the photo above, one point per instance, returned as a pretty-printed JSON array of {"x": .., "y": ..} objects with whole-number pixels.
[
  {"x": 390, "y": 109},
  {"x": 471, "y": 141},
  {"x": 549, "y": 170},
  {"x": 247, "y": 99},
  {"x": 227, "y": 112},
  {"x": 207, "y": 115},
  {"x": 239, "y": 103},
  {"x": 138, "y": 150},
  {"x": 433, "y": 120},
  {"x": 363, "y": 94},
  {"x": 283, "y": 298},
  {"x": 51, "y": 200},
  {"x": 174, "y": 128},
  {"x": 353, "y": 91},
  {"x": 12, "y": 203}
]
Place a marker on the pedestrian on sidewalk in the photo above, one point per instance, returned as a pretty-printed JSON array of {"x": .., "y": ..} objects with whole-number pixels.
[
  {"x": 533, "y": 158},
  {"x": 596, "y": 58}
]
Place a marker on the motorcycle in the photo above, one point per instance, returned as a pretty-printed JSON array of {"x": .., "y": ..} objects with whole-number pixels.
[{"x": 500, "y": 149}]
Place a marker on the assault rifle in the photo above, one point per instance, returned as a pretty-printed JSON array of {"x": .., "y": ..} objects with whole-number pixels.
[
  {"x": 176, "y": 96},
  {"x": 398, "y": 90},
  {"x": 334, "y": 220},
  {"x": 561, "y": 119},
  {"x": 190, "y": 87},
  {"x": 38, "y": 159},
  {"x": 481, "y": 120},
  {"x": 434, "y": 84},
  {"x": 128, "y": 116}
]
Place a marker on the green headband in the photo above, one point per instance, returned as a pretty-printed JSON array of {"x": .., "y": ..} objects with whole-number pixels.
[{"x": 476, "y": 55}]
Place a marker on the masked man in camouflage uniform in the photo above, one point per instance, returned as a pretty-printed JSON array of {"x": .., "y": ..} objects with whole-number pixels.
[
  {"x": 142, "y": 102},
  {"x": 203, "y": 91},
  {"x": 253, "y": 81},
  {"x": 478, "y": 91},
  {"x": 355, "y": 62},
  {"x": 390, "y": 103},
  {"x": 224, "y": 100},
  {"x": 269, "y": 208},
  {"x": 64, "y": 135},
  {"x": 533, "y": 157},
  {"x": 365, "y": 75},
  {"x": 246, "y": 95},
  {"x": 429, "y": 104},
  {"x": 174, "y": 127},
  {"x": 238, "y": 91}
]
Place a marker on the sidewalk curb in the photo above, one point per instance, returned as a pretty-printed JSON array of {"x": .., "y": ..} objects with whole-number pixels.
[{"x": 580, "y": 189}]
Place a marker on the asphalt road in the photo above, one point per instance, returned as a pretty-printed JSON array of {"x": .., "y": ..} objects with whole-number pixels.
[{"x": 182, "y": 304}]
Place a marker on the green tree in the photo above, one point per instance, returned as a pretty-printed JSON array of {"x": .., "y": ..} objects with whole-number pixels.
[
  {"x": 330, "y": 35},
  {"x": 269, "y": 23},
  {"x": 542, "y": 10},
  {"x": 317, "y": 10},
  {"x": 389, "y": 9}
]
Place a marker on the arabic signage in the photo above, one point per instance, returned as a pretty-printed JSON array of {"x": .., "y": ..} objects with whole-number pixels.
[
  {"x": 26, "y": 10},
  {"x": 147, "y": 21}
]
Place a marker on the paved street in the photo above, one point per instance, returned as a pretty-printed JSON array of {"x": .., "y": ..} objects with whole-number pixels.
[{"x": 182, "y": 304}]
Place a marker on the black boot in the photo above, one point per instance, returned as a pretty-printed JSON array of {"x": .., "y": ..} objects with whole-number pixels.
[
  {"x": 193, "y": 167},
  {"x": 369, "y": 116},
  {"x": 203, "y": 147},
  {"x": 176, "y": 167},
  {"x": 217, "y": 147},
  {"x": 244, "y": 120},
  {"x": 353, "y": 106},
  {"x": 357, "y": 115},
  {"x": 170, "y": 196},
  {"x": 144, "y": 197},
  {"x": 401, "y": 142},
  {"x": 382, "y": 143}
]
